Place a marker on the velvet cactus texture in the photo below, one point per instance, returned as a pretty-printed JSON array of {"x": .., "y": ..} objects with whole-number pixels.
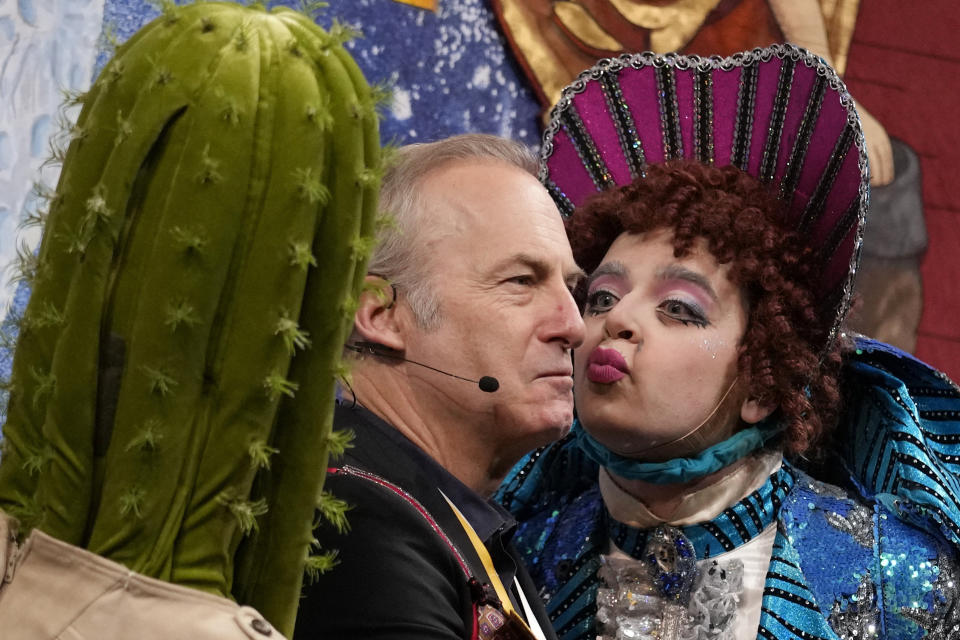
[{"x": 174, "y": 378}]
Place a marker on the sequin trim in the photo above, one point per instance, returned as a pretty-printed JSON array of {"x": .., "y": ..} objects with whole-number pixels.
[
  {"x": 721, "y": 537},
  {"x": 560, "y": 199},
  {"x": 806, "y": 603},
  {"x": 840, "y": 231},
  {"x": 589, "y": 586},
  {"x": 386, "y": 484},
  {"x": 818, "y": 199},
  {"x": 858, "y": 524},
  {"x": 585, "y": 620},
  {"x": 771, "y": 149},
  {"x": 857, "y": 617},
  {"x": 669, "y": 113},
  {"x": 630, "y": 142},
  {"x": 766, "y": 635},
  {"x": 794, "y": 167},
  {"x": 752, "y": 512},
  {"x": 939, "y": 515},
  {"x": 746, "y": 101},
  {"x": 940, "y": 415},
  {"x": 943, "y": 623},
  {"x": 586, "y": 149},
  {"x": 703, "y": 115},
  {"x": 934, "y": 392}
]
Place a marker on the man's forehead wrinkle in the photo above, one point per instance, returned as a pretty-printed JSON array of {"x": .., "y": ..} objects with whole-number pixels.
[
  {"x": 519, "y": 258},
  {"x": 541, "y": 265}
]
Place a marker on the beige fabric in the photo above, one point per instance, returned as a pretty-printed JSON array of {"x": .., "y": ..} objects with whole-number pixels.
[
  {"x": 55, "y": 591},
  {"x": 706, "y": 503}
]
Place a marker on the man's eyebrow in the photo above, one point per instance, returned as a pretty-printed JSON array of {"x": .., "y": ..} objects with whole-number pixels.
[
  {"x": 520, "y": 259},
  {"x": 680, "y": 272},
  {"x": 539, "y": 266}
]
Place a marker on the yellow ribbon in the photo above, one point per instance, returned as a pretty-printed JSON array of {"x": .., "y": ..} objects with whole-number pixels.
[{"x": 487, "y": 564}]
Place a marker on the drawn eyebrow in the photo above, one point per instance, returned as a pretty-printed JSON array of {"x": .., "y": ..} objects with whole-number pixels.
[
  {"x": 667, "y": 272},
  {"x": 680, "y": 272},
  {"x": 612, "y": 268}
]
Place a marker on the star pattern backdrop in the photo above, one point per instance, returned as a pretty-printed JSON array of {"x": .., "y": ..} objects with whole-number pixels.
[{"x": 448, "y": 66}]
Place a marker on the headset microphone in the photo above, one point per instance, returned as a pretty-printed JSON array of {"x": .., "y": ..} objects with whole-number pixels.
[{"x": 488, "y": 384}]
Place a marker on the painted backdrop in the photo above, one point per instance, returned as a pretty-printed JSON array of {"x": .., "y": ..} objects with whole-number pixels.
[
  {"x": 449, "y": 68},
  {"x": 452, "y": 73}
]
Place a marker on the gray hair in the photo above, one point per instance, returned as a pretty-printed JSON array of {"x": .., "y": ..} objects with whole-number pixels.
[{"x": 396, "y": 256}]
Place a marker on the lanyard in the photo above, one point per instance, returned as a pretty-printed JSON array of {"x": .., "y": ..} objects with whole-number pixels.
[{"x": 487, "y": 561}]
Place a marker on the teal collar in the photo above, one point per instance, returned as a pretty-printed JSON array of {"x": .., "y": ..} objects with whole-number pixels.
[
  {"x": 733, "y": 527},
  {"x": 679, "y": 469}
]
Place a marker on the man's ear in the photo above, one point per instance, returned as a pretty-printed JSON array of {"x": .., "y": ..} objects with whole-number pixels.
[
  {"x": 376, "y": 319},
  {"x": 752, "y": 412}
]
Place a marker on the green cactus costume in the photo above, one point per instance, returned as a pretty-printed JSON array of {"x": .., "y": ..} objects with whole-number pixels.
[{"x": 173, "y": 382}]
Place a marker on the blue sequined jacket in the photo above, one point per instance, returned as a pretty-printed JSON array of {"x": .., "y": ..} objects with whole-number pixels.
[{"x": 873, "y": 556}]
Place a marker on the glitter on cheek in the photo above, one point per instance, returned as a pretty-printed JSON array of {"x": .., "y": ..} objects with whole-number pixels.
[{"x": 713, "y": 347}]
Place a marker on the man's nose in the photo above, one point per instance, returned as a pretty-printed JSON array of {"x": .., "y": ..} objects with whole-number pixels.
[{"x": 567, "y": 324}]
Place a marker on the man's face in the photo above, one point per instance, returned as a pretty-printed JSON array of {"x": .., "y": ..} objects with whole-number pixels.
[{"x": 499, "y": 261}]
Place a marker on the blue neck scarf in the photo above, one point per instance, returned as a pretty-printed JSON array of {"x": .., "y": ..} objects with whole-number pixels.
[{"x": 679, "y": 469}]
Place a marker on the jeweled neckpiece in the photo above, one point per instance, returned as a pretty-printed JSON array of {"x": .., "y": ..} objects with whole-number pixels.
[{"x": 672, "y": 563}]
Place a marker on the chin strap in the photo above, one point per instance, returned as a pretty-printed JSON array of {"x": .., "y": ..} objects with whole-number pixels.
[
  {"x": 697, "y": 428},
  {"x": 678, "y": 469}
]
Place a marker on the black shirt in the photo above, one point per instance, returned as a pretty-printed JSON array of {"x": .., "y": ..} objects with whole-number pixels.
[{"x": 397, "y": 577}]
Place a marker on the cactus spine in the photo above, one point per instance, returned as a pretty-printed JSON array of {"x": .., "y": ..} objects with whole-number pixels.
[{"x": 203, "y": 254}]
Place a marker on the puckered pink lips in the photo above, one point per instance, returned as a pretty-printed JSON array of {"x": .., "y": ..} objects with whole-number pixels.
[{"x": 606, "y": 366}]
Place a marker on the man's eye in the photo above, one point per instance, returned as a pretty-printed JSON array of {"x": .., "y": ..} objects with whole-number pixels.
[
  {"x": 683, "y": 312},
  {"x": 600, "y": 301},
  {"x": 524, "y": 280}
]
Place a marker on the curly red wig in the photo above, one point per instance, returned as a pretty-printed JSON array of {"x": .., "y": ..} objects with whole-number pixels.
[{"x": 780, "y": 353}]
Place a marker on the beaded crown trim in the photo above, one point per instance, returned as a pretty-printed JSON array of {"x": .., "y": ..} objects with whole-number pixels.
[{"x": 780, "y": 113}]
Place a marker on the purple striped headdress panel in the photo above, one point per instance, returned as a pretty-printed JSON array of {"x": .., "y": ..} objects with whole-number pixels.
[{"x": 779, "y": 113}]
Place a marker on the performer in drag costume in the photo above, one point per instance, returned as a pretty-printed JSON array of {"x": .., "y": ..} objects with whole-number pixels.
[{"x": 740, "y": 467}]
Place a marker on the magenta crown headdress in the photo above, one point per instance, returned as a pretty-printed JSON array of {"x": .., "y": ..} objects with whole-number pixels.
[{"x": 779, "y": 113}]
